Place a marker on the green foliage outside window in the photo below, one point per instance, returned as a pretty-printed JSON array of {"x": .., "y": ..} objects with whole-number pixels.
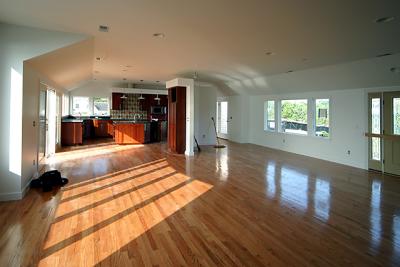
[{"x": 294, "y": 110}]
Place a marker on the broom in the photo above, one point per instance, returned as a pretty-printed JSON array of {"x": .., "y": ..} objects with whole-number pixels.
[{"x": 218, "y": 145}]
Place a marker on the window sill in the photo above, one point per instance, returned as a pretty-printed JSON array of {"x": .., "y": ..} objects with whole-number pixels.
[{"x": 296, "y": 134}]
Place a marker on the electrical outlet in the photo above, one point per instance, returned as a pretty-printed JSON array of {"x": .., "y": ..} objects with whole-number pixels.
[
  {"x": 204, "y": 136},
  {"x": 348, "y": 152}
]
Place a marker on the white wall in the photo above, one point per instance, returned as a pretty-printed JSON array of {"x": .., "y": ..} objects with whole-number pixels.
[
  {"x": 17, "y": 45},
  {"x": 30, "y": 114},
  {"x": 205, "y": 99},
  {"x": 348, "y": 124}
]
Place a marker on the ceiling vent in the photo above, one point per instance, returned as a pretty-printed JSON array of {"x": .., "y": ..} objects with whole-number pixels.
[
  {"x": 103, "y": 28},
  {"x": 384, "y": 55},
  {"x": 384, "y": 20}
]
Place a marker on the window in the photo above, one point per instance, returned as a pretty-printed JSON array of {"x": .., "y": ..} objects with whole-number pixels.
[
  {"x": 269, "y": 115},
  {"x": 101, "y": 106},
  {"x": 294, "y": 116},
  {"x": 65, "y": 105},
  {"x": 322, "y": 117},
  {"x": 80, "y": 106}
]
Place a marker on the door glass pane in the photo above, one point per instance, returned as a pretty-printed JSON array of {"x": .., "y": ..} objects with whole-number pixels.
[
  {"x": 396, "y": 115},
  {"x": 376, "y": 115},
  {"x": 224, "y": 117},
  {"x": 376, "y": 148},
  {"x": 376, "y": 128}
]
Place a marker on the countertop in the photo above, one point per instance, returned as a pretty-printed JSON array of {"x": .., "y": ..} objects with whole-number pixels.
[
  {"x": 129, "y": 122},
  {"x": 72, "y": 120}
]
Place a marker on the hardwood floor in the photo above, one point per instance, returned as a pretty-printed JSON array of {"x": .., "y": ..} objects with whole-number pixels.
[{"x": 243, "y": 205}]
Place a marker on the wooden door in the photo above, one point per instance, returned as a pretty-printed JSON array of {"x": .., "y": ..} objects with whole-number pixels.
[{"x": 391, "y": 129}]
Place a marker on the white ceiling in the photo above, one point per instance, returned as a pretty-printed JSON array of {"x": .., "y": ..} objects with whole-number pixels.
[{"x": 222, "y": 40}]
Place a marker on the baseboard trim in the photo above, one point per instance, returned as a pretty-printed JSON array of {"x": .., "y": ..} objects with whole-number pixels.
[
  {"x": 10, "y": 196},
  {"x": 26, "y": 188},
  {"x": 16, "y": 195}
]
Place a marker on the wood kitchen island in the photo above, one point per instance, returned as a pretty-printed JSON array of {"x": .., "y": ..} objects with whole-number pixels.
[{"x": 127, "y": 132}]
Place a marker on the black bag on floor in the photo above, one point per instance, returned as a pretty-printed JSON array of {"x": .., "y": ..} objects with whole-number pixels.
[{"x": 48, "y": 180}]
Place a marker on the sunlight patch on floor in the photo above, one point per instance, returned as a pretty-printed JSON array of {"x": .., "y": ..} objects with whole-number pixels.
[
  {"x": 93, "y": 226},
  {"x": 90, "y": 152}
]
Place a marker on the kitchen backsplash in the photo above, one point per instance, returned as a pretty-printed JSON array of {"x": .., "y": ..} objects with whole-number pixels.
[{"x": 130, "y": 107}]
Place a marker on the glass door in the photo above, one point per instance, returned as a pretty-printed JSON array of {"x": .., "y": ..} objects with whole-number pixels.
[
  {"x": 51, "y": 112},
  {"x": 222, "y": 119},
  {"x": 391, "y": 132},
  {"x": 384, "y": 132},
  {"x": 375, "y": 130},
  {"x": 42, "y": 124}
]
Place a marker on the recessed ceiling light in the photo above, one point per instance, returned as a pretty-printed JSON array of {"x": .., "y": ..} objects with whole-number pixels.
[
  {"x": 103, "y": 28},
  {"x": 384, "y": 55},
  {"x": 141, "y": 80},
  {"x": 159, "y": 35},
  {"x": 124, "y": 79},
  {"x": 384, "y": 19},
  {"x": 395, "y": 70},
  {"x": 128, "y": 66},
  {"x": 289, "y": 71},
  {"x": 304, "y": 59},
  {"x": 98, "y": 58},
  {"x": 124, "y": 70},
  {"x": 270, "y": 53},
  {"x": 157, "y": 81}
]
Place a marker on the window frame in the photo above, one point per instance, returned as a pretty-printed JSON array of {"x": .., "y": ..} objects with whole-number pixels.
[
  {"x": 93, "y": 108},
  {"x": 309, "y": 127},
  {"x": 311, "y": 116},
  {"x": 73, "y": 103},
  {"x": 266, "y": 128},
  {"x": 314, "y": 115}
]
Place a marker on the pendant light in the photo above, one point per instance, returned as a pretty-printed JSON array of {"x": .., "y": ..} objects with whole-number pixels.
[
  {"x": 123, "y": 94},
  {"x": 157, "y": 98},
  {"x": 141, "y": 97}
]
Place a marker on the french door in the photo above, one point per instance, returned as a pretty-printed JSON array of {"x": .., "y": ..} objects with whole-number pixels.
[
  {"x": 384, "y": 132},
  {"x": 42, "y": 124},
  {"x": 222, "y": 119}
]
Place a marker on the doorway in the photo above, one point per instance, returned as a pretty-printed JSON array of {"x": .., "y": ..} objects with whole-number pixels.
[
  {"x": 222, "y": 119},
  {"x": 47, "y": 122},
  {"x": 384, "y": 132}
]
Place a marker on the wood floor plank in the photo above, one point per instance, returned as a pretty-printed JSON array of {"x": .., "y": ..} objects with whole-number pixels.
[{"x": 243, "y": 205}]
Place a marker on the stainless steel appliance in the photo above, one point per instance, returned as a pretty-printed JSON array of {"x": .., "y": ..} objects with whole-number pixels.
[{"x": 158, "y": 110}]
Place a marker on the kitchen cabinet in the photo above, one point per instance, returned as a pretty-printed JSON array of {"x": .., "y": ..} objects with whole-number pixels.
[
  {"x": 101, "y": 128},
  {"x": 129, "y": 133},
  {"x": 110, "y": 128},
  {"x": 177, "y": 119},
  {"x": 71, "y": 133},
  {"x": 116, "y": 101}
]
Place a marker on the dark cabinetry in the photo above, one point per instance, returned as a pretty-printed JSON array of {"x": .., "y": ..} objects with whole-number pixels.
[
  {"x": 177, "y": 119},
  {"x": 102, "y": 128},
  {"x": 116, "y": 101}
]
